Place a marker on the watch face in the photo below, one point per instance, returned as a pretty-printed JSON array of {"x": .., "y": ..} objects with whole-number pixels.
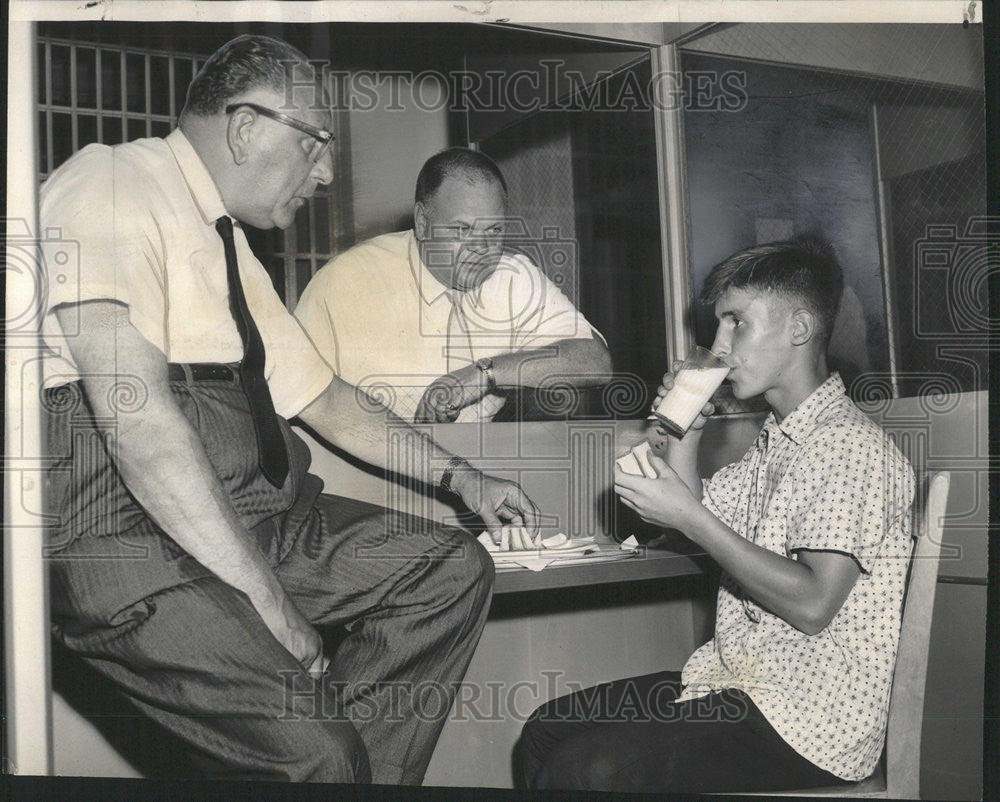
[{"x": 485, "y": 366}]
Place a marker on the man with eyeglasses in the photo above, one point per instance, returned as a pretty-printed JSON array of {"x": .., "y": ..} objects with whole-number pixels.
[
  {"x": 441, "y": 322},
  {"x": 193, "y": 553}
]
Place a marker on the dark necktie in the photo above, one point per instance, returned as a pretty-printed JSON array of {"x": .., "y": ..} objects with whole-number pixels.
[{"x": 273, "y": 458}]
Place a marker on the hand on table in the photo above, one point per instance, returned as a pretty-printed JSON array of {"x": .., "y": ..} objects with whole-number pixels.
[{"x": 496, "y": 501}]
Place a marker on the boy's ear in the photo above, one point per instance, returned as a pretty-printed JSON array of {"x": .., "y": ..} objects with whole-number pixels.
[{"x": 803, "y": 326}]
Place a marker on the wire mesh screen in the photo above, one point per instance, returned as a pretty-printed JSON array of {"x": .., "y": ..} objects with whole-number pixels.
[
  {"x": 589, "y": 177},
  {"x": 878, "y": 167},
  {"x": 941, "y": 251},
  {"x": 536, "y": 158}
]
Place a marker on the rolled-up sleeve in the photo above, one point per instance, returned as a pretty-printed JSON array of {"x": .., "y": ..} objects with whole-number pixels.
[
  {"x": 315, "y": 316},
  {"x": 111, "y": 248},
  {"x": 296, "y": 373}
]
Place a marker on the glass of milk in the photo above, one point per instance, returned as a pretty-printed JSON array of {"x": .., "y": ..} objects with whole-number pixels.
[{"x": 699, "y": 377}]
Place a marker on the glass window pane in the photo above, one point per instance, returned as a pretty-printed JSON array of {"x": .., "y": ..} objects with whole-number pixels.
[
  {"x": 62, "y": 138},
  {"x": 303, "y": 272},
  {"x": 322, "y": 224},
  {"x": 86, "y": 130},
  {"x": 302, "y": 238},
  {"x": 111, "y": 131},
  {"x": 41, "y": 72},
  {"x": 784, "y": 179},
  {"x": 600, "y": 201},
  {"x": 86, "y": 78},
  {"x": 59, "y": 75},
  {"x": 111, "y": 80},
  {"x": 182, "y": 79},
  {"x": 161, "y": 128},
  {"x": 43, "y": 144},
  {"x": 135, "y": 73},
  {"x": 274, "y": 241},
  {"x": 277, "y": 273},
  {"x": 159, "y": 83},
  {"x": 136, "y": 129}
]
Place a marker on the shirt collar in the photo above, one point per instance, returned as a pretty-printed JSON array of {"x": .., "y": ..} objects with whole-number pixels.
[
  {"x": 204, "y": 192},
  {"x": 430, "y": 288},
  {"x": 800, "y": 421}
]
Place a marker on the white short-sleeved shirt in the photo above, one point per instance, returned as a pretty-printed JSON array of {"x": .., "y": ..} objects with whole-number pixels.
[
  {"x": 140, "y": 222},
  {"x": 825, "y": 478},
  {"x": 384, "y": 323}
]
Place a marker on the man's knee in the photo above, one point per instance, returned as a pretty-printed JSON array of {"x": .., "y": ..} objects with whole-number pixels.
[
  {"x": 468, "y": 564},
  {"x": 334, "y": 754}
]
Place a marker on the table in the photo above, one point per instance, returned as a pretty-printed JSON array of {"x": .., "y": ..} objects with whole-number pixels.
[{"x": 666, "y": 558}]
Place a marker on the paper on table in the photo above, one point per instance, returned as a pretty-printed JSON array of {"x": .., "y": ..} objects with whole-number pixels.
[{"x": 557, "y": 548}]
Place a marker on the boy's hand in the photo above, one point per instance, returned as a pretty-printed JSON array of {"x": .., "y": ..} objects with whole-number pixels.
[{"x": 665, "y": 501}]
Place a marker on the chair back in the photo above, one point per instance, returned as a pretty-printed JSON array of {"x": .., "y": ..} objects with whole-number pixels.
[{"x": 906, "y": 704}]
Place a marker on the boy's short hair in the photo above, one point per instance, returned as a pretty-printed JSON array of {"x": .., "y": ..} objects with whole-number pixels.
[{"x": 804, "y": 267}]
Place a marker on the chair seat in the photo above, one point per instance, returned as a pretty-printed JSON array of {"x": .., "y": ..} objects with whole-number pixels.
[{"x": 870, "y": 788}]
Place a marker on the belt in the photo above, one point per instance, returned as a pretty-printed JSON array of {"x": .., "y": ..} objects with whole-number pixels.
[{"x": 203, "y": 372}]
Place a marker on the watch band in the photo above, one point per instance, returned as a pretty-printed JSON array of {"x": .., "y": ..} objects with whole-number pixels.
[
  {"x": 486, "y": 366},
  {"x": 454, "y": 464}
]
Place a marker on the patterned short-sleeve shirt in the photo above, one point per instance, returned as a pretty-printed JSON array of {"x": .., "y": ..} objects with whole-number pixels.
[{"x": 825, "y": 478}]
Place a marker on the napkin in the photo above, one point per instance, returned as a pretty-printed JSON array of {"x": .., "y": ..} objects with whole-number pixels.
[
  {"x": 516, "y": 547},
  {"x": 557, "y": 548},
  {"x": 636, "y": 461}
]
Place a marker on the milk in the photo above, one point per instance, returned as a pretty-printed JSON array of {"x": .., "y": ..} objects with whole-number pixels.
[{"x": 691, "y": 391}]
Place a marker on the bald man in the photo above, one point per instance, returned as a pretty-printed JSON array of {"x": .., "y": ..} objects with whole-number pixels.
[{"x": 441, "y": 322}]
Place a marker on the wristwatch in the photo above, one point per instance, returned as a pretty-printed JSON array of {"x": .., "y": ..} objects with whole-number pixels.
[
  {"x": 486, "y": 366},
  {"x": 454, "y": 464}
]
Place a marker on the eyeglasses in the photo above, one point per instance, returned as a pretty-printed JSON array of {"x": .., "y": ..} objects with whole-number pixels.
[{"x": 323, "y": 137}]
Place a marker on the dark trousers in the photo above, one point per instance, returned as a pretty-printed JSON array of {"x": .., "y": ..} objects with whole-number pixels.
[
  {"x": 191, "y": 652},
  {"x": 632, "y": 735}
]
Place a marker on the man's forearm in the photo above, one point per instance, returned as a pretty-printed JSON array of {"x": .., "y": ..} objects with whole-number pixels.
[
  {"x": 178, "y": 487},
  {"x": 158, "y": 453},
  {"x": 580, "y": 362},
  {"x": 364, "y": 429}
]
